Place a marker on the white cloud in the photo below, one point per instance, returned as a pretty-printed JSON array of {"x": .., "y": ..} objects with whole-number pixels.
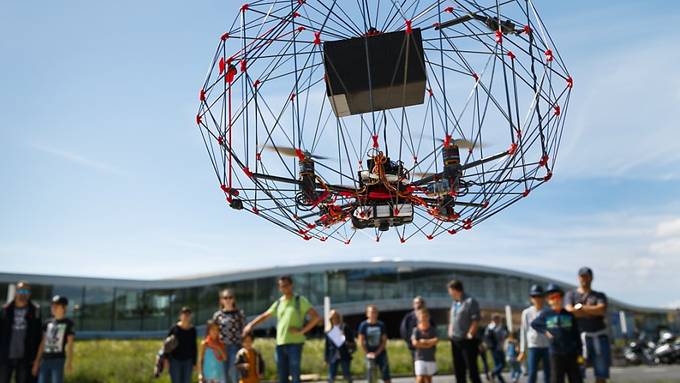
[
  {"x": 668, "y": 228},
  {"x": 79, "y": 159}
]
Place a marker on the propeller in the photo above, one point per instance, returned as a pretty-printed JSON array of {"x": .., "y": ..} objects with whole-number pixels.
[
  {"x": 461, "y": 143},
  {"x": 293, "y": 152}
]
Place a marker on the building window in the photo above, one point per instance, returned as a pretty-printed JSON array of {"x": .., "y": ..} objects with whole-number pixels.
[
  {"x": 128, "y": 310},
  {"x": 97, "y": 310}
]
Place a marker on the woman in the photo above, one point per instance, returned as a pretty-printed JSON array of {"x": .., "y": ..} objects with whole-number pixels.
[
  {"x": 211, "y": 356},
  {"x": 182, "y": 358},
  {"x": 230, "y": 321},
  {"x": 340, "y": 345}
]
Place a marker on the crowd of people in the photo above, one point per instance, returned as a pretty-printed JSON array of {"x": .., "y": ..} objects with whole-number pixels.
[{"x": 560, "y": 338}]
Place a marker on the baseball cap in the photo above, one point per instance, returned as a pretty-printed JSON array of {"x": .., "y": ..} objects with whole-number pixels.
[
  {"x": 553, "y": 288},
  {"x": 60, "y": 300},
  {"x": 536, "y": 291},
  {"x": 585, "y": 270}
]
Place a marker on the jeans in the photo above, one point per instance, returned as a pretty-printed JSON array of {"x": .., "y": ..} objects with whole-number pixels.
[
  {"x": 465, "y": 353},
  {"x": 601, "y": 361},
  {"x": 181, "y": 370},
  {"x": 498, "y": 364},
  {"x": 19, "y": 367},
  {"x": 51, "y": 371},
  {"x": 380, "y": 363},
  {"x": 515, "y": 370},
  {"x": 534, "y": 356},
  {"x": 562, "y": 365},
  {"x": 333, "y": 369},
  {"x": 230, "y": 372},
  {"x": 288, "y": 358}
]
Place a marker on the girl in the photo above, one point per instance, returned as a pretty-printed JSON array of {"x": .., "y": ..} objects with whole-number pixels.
[
  {"x": 340, "y": 345},
  {"x": 231, "y": 320},
  {"x": 183, "y": 357},
  {"x": 424, "y": 339},
  {"x": 211, "y": 356}
]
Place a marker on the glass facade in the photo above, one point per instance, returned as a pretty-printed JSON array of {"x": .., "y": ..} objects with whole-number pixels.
[{"x": 98, "y": 309}]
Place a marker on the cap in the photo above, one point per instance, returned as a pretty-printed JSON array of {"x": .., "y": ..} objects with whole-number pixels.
[
  {"x": 185, "y": 310},
  {"x": 553, "y": 288},
  {"x": 585, "y": 270},
  {"x": 60, "y": 300},
  {"x": 536, "y": 291}
]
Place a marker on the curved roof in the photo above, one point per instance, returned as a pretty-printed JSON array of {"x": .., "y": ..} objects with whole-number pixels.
[{"x": 239, "y": 275}]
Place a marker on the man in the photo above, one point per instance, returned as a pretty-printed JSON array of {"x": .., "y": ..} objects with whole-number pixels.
[
  {"x": 463, "y": 324},
  {"x": 373, "y": 340},
  {"x": 290, "y": 311},
  {"x": 409, "y": 322},
  {"x": 533, "y": 346},
  {"x": 590, "y": 308},
  {"x": 20, "y": 336},
  {"x": 494, "y": 337}
]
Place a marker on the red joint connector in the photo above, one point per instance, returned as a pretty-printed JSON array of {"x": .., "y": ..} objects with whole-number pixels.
[
  {"x": 347, "y": 242},
  {"x": 499, "y": 37},
  {"x": 453, "y": 193},
  {"x": 300, "y": 2},
  {"x": 436, "y": 25},
  {"x": 429, "y": 237},
  {"x": 220, "y": 140},
  {"x": 255, "y": 210},
  {"x": 543, "y": 161},
  {"x": 455, "y": 216},
  {"x": 292, "y": 97},
  {"x": 300, "y": 154},
  {"x": 317, "y": 38},
  {"x": 306, "y": 237},
  {"x": 245, "y": 7},
  {"x": 311, "y": 226},
  {"x": 475, "y": 76},
  {"x": 549, "y": 55},
  {"x": 408, "y": 26},
  {"x": 303, "y": 232},
  {"x": 525, "y": 193},
  {"x": 527, "y": 29},
  {"x": 402, "y": 239},
  {"x": 570, "y": 82},
  {"x": 511, "y": 55},
  {"x": 296, "y": 14},
  {"x": 518, "y": 134},
  {"x": 415, "y": 159},
  {"x": 198, "y": 119},
  {"x": 222, "y": 65},
  {"x": 377, "y": 238},
  {"x": 558, "y": 110},
  {"x": 248, "y": 172},
  {"x": 256, "y": 84},
  {"x": 485, "y": 204},
  {"x": 430, "y": 92},
  {"x": 447, "y": 140},
  {"x": 452, "y": 231},
  {"x": 467, "y": 224},
  {"x": 547, "y": 177},
  {"x": 396, "y": 211},
  {"x": 323, "y": 239},
  {"x": 230, "y": 60},
  {"x": 244, "y": 65},
  {"x": 201, "y": 95},
  {"x": 448, "y": 10},
  {"x": 300, "y": 28},
  {"x": 224, "y": 36},
  {"x": 231, "y": 73},
  {"x": 224, "y": 188},
  {"x": 258, "y": 156},
  {"x": 512, "y": 149},
  {"x": 375, "y": 141}
]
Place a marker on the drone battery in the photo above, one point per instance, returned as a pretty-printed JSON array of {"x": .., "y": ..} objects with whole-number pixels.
[{"x": 373, "y": 73}]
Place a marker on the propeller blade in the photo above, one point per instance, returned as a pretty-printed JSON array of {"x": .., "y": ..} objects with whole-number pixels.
[
  {"x": 292, "y": 152},
  {"x": 462, "y": 143}
]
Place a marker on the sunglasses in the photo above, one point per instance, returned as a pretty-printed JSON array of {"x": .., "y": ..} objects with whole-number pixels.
[
  {"x": 24, "y": 292},
  {"x": 226, "y": 298}
]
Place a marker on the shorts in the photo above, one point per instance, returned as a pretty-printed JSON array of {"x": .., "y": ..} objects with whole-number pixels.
[
  {"x": 601, "y": 361},
  {"x": 425, "y": 368}
]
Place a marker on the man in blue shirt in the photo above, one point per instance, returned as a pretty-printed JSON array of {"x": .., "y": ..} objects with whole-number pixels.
[
  {"x": 463, "y": 324},
  {"x": 373, "y": 340}
]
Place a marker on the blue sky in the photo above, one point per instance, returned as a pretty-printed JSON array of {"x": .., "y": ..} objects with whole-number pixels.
[{"x": 102, "y": 171}]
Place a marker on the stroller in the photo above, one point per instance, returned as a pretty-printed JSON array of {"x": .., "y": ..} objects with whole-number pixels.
[{"x": 169, "y": 345}]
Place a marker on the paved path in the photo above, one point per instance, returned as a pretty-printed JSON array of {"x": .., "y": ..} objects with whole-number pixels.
[{"x": 657, "y": 374}]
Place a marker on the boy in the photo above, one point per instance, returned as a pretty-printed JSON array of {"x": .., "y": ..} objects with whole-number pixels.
[
  {"x": 373, "y": 340},
  {"x": 56, "y": 348},
  {"x": 249, "y": 362},
  {"x": 424, "y": 341},
  {"x": 511, "y": 353},
  {"x": 559, "y": 325}
]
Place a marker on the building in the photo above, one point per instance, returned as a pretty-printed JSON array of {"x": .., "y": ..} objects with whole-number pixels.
[{"x": 141, "y": 308}]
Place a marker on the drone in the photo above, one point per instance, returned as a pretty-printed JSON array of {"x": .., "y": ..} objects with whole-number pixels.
[{"x": 331, "y": 119}]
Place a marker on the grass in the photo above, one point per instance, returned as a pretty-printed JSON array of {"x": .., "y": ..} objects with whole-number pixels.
[{"x": 132, "y": 361}]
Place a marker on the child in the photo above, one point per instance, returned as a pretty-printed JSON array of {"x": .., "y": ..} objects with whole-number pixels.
[
  {"x": 56, "y": 348},
  {"x": 340, "y": 345},
  {"x": 424, "y": 339},
  {"x": 373, "y": 340},
  {"x": 211, "y": 356},
  {"x": 511, "y": 353},
  {"x": 559, "y": 325},
  {"x": 249, "y": 362}
]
